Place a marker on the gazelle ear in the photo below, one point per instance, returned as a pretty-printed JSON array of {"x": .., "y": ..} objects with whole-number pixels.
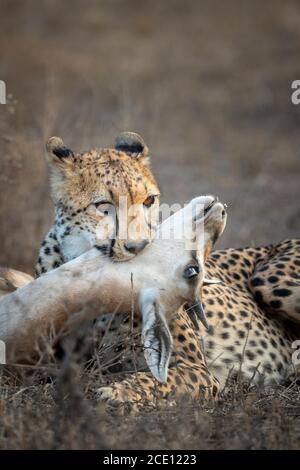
[
  {"x": 133, "y": 144},
  {"x": 156, "y": 336}
]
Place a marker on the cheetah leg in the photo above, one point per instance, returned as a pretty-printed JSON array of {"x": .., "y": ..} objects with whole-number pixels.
[
  {"x": 141, "y": 389},
  {"x": 275, "y": 283},
  {"x": 187, "y": 376}
]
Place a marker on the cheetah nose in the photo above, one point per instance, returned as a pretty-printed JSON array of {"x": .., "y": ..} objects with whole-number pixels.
[{"x": 136, "y": 247}]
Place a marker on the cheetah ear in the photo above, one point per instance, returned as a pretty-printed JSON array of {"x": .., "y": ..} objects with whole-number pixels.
[
  {"x": 156, "y": 336},
  {"x": 58, "y": 154},
  {"x": 132, "y": 144}
]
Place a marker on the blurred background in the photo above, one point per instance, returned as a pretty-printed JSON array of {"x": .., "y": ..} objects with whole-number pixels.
[{"x": 206, "y": 83}]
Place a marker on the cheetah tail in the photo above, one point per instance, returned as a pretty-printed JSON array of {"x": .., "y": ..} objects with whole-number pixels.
[{"x": 10, "y": 280}]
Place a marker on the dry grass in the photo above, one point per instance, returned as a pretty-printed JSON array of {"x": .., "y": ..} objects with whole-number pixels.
[
  {"x": 57, "y": 408},
  {"x": 208, "y": 86}
]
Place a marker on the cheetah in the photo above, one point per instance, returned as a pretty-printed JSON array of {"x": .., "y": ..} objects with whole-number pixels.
[
  {"x": 86, "y": 189},
  {"x": 252, "y": 312}
]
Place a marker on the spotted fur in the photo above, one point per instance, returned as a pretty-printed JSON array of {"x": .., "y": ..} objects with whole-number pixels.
[
  {"x": 247, "y": 336},
  {"x": 253, "y": 313}
]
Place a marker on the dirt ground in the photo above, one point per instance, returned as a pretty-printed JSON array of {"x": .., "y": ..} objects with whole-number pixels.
[{"x": 208, "y": 86}]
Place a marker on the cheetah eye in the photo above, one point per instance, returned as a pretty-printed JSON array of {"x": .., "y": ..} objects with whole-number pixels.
[
  {"x": 149, "y": 201},
  {"x": 191, "y": 272}
]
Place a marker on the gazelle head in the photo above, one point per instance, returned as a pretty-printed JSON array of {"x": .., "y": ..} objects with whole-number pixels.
[{"x": 184, "y": 241}]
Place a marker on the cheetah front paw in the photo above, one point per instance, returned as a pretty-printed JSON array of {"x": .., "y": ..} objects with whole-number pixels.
[
  {"x": 117, "y": 398},
  {"x": 110, "y": 395}
]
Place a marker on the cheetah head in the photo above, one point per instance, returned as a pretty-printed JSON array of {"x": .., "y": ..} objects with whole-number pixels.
[{"x": 103, "y": 197}]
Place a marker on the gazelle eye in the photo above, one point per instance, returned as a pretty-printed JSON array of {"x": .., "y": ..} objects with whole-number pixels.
[
  {"x": 149, "y": 201},
  {"x": 190, "y": 272}
]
